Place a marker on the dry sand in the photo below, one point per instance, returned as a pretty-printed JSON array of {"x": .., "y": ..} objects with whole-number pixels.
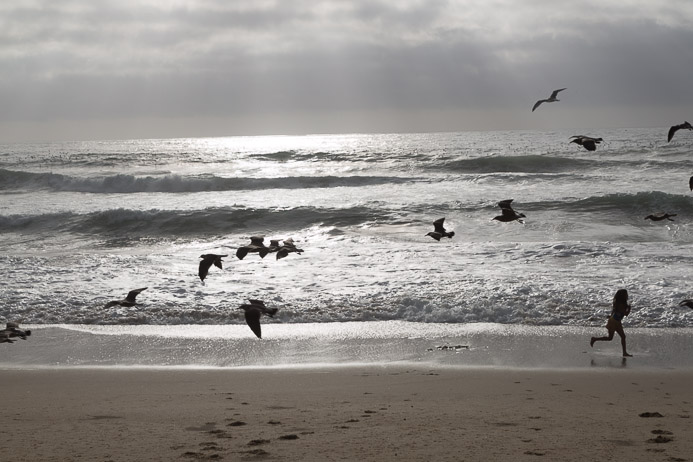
[{"x": 347, "y": 413}]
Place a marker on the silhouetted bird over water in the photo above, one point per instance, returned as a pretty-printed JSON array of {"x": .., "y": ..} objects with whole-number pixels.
[
  {"x": 288, "y": 246},
  {"x": 256, "y": 246},
  {"x": 660, "y": 216},
  {"x": 690, "y": 183},
  {"x": 587, "y": 142},
  {"x": 508, "y": 214},
  {"x": 439, "y": 230},
  {"x": 550, "y": 99},
  {"x": 207, "y": 261},
  {"x": 688, "y": 303},
  {"x": 253, "y": 311},
  {"x": 11, "y": 331},
  {"x": 127, "y": 301},
  {"x": 676, "y": 128}
]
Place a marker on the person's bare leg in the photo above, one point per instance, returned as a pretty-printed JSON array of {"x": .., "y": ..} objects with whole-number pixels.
[
  {"x": 602, "y": 339},
  {"x": 623, "y": 342}
]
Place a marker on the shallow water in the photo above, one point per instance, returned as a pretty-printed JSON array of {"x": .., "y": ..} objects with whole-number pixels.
[{"x": 83, "y": 223}]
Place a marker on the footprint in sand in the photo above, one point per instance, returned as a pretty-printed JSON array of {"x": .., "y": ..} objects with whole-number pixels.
[{"x": 650, "y": 414}]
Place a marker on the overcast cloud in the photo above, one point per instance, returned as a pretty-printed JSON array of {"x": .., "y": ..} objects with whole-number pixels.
[{"x": 121, "y": 68}]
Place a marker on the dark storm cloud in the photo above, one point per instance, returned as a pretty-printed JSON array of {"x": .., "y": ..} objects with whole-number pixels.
[{"x": 98, "y": 60}]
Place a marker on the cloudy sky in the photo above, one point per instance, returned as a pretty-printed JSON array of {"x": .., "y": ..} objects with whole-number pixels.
[{"x": 96, "y": 69}]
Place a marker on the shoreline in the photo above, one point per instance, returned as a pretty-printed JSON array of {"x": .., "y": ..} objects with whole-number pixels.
[{"x": 372, "y": 413}]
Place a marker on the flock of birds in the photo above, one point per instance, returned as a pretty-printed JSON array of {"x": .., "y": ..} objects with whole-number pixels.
[{"x": 254, "y": 310}]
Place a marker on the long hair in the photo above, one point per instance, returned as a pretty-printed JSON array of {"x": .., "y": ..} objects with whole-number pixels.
[{"x": 621, "y": 297}]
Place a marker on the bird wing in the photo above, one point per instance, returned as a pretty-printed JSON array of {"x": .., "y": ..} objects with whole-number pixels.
[
  {"x": 538, "y": 103},
  {"x": 204, "y": 268},
  {"x": 505, "y": 204},
  {"x": 556, "y": 92},
  {"x": 438, "y": 225},
  {"x": 132, "y": 295},
  {"x": 257, "y": 240},
  {"x": 589, "y": 145},
  {"x": 672, "y": 130},
  {"x": 510, "y": 213},
  {"x": 252, "y": 318},
  {"x": 690, "y": 183},
  {"x": 282, "y": 253},
  {"x": 217, "y": 260},
  {"x": 242, "y": 252}
]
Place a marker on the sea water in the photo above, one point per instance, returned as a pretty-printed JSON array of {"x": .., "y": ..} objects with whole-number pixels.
[{"x": 83, "y": 223}]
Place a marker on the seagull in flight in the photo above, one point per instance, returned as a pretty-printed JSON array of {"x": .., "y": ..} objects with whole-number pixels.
[
  {"x": 551, "y": 99},
  {"x": 508, "y": 213},
  {"x": 586, "y": 142},
  {"x": 676, "y": 128},
  {"x": 439, "y": 230},
  {"x": 127, "y": 301},
  {"x": 253, "y": 311},
  {"x": 207, "y": 261}
]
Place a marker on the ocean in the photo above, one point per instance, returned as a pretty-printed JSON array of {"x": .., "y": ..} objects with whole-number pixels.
[{"x": 83, "y": 223}]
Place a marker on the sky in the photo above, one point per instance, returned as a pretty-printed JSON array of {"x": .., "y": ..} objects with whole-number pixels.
[{"x": 115, "y": 69}]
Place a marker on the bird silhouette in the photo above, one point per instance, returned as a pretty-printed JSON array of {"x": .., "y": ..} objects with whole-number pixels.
[
  {"x": 256, "y": 246},
  {"x": 127, "y": 301},
  {"x": 550, "y": 99},
  {"x": 11, "y": 331},
  {"x": 688, "y": 303},
  {"x": 508, "y": 213},
  {"x": 675, "y": 128},
  {"x": 660, "y": 216},
  {"x": 253, "y": 311},
  {"x": 587, "y": 142},
  {"x": 288, "y": 246},
  {"x": 439, "y": 230},
  {"x": 207, "y": 261}
]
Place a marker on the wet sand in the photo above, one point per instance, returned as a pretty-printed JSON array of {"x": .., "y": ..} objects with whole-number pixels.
[{"x": 372, "y": 413}]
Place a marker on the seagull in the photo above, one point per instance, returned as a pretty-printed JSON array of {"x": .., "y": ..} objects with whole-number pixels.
[
  {"x": 688, "y": 303},
  {"x": 660, "y": 216},
  {"x": 12, "y": 330},
  {"x": 676, "y": 128},
  {"x": 288, "y": 246},
  {"x": 207, "y": 261},
  {"x": 253, "y": 311},
  {"x": 550, "y": 99},
  {"x": 508, "y": 214},
  {"x": 587, "y": 142},
  {"x": 128, "y": 301},
  {"x": 256, "y": 246},
  {"x": 690, "y": 183},
  {"x": 439, "y": 230}
]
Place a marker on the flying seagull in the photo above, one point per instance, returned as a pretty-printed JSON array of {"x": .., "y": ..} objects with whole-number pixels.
[
  {"x": 690, "y": 183},
  {"x": 256, "y": 246},
  {"x": 253, "y": 311},
  {"x": 207, "y": 261},
  {"x": 688, "y": 303},
  {"x": 288, "y": 246},
  {"x": 12, "y": 330},
  {"x": 127, "y": 301},
  {"x": 439, "y": 230},
  {"x": 586, "y": 142},
  {"x": 676, "y": 128},
  {"x": 508, "y": 214},
  {"x": 551, "y": 99},
  {"x": 660, "y": 216}
]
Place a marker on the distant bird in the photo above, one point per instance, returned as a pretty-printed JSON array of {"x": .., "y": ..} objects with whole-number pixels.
[
  {"x": 551, "y": 99},
  {"x": 688, "y": 303},
  {"x": 253, "y": 311},
  {"x": 127, "y": 301},
  {"x": 675, "y": 128},
  {"x": 690, "y": 183},
  {"x": 439, "y": 230},
  {"x": 660, "y": 216},
  {"x": 12, "y": 330},
  {"x": 207, "y": 261},
  {"x": 508, "y": 214},
  {"x": 587, "y": 142},
  {"x": 288, "y": 246},
  {"x": 256, "y": 246}
]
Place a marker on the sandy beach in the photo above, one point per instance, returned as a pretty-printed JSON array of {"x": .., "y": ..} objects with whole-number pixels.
[{"x": 370, "y": 413}]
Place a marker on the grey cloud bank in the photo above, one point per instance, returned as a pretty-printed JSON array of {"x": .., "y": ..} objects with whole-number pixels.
[{"x": 84, "y": 70}]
